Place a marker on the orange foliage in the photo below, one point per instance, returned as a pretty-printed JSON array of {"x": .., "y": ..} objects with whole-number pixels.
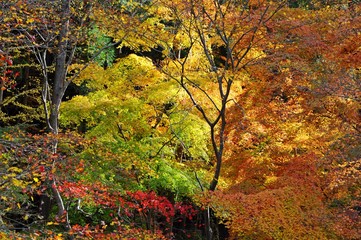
[
  {"x": 290, "y": 170},
  {"x": 289, "y": 206}
]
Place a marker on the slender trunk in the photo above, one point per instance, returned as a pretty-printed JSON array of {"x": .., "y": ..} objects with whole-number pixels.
[
  {"x": 208, "y": 227},
  {"x": 60, "y": 83},
  {"x": 216, "y": 175},
  {"x": 60, "y": 203},
  {"x": 218, "y": 149},
  {"x": 206, "y": 215},
  {"x": 2, "y": 85},
  {"x": 1, "y": 95},
  {"x": 59, "y": 87},
  {"x": 27, "y": 81}
]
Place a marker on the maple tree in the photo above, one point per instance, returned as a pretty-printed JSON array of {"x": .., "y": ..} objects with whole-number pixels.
[
  {"x": 209, "y": 24},
  {"x": 140, "y": 123},
  {"x": 290, "y": 112},
  {"x": 334, "y": 95}
]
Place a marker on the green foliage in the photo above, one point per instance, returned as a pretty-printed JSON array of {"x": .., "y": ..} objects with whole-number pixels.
[
  {"x": 184, "y": 126},
  {"x": 99, "y": 46},
  {"x": 134, "y": 112},
  {"x": 172, "y": 177}
]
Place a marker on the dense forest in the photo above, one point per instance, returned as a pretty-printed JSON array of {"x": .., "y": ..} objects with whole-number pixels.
[{"x": 182, "y": 119}]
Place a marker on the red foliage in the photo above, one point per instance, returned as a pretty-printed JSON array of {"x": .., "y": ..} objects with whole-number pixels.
[
  {"x": 146, "y": 209},
  {"x": 7, "y": 76},
  {"x": 147, "y": 202}
]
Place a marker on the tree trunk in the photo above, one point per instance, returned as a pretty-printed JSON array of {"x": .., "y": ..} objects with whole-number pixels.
[
  {"x": 59, "y": 87},
  {"x": 207, "y": 225},
  {"x": 60, "y": 82}
]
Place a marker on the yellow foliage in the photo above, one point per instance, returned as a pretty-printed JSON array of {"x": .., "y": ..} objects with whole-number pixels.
[
  {"x": 92, "y": 75},
  {"x": 19, "y": 183},
  {"x": 15, "y": 170},
  {"x": 270, "y": 179},
  {"x": 77, "y": 110}
]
